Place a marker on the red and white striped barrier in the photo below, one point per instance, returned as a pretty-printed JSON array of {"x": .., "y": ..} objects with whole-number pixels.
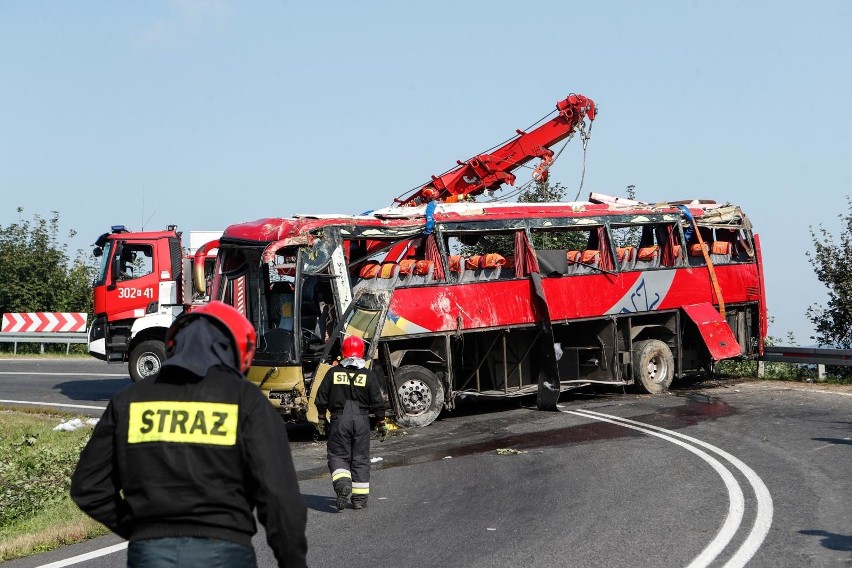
[{"x": 36, "y": 322}]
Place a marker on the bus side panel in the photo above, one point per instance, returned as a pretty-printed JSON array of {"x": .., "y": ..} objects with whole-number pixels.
[{"x": 453, "y": 307}]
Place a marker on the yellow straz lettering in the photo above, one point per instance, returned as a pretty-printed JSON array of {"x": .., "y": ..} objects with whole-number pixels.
[
  {"x": 341, "y": 379},
  {"x": 360, "y": 381},
  {"x": 183, "y": 422}
]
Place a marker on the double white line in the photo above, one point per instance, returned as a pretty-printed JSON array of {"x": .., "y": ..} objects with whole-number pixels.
[{"x": 736, "y": 508}]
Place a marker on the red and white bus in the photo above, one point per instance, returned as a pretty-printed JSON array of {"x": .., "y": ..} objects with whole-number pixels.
[{"x": 497, "y": 299}]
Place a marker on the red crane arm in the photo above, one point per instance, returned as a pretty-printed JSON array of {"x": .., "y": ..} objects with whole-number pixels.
[{"x": 489, "y": 171}]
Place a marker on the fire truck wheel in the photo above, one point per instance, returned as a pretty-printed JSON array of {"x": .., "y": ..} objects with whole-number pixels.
[
  {"x": 653, "y": 366},
  {"x": 146, "y": 360},
  {"x": 420, "y": 394}
]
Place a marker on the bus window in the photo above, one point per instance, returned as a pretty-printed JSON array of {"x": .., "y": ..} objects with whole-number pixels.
[
  {"x": 574, "y": 250},
  {"x": 647, "y": 246},
  {"x": 480, "y": 256}
]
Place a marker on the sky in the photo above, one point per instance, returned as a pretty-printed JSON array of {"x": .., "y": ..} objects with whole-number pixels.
[{"x": 206, "y": 113}]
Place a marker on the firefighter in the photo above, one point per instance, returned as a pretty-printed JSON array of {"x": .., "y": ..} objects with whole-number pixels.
[
  {"x": 178, "y": 464},
  {"x": 350, "y": 391}
]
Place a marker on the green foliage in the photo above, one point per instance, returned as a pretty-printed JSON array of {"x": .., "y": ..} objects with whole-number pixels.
[
  {"x": 627, "y": 236},
  {"x": 782, "y": 371},
  {"x": 832, "y": 263},
  {"x": 543, "y": 192},
  {"x": 538, "y": 192},
  {"x": 36, "y": 464},
  {"x": 37, "y": 274}
]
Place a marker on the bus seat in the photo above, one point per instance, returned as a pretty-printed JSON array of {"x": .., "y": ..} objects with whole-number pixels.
[
  {"x": 720, "y": 252},
  {"x": 370, "y": 269},
  {"x": 470, "y": 268},
  {"x": 572, "y": 257},
  {"x": 626, "y": 257},
  {"x": 483, "y": 267},
  {"x": 648, "y": 257},
  {"x": 457, "y": 267},
  {"x": 696, "y": 255},
  {"x": 588, "y": 261},
  {"x": 422, "y": 272},
  {"x": 388, "y": 275},
  {"x": 406, "y": 269},
  {"x": 368, "y": 273},
  {"x": 491, "y": 265}
]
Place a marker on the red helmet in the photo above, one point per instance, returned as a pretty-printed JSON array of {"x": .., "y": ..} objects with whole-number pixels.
[
  {"x": 352, "y": 347},
  {"x": 242, "y": 333}
]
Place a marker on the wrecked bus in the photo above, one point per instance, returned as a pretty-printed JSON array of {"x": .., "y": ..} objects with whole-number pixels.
[{"x": 496, "y": 299}]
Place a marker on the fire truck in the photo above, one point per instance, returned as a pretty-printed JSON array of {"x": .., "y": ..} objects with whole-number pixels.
[
  {"x": 457, "y": 298},
  {"x": 144, "y": 282}
]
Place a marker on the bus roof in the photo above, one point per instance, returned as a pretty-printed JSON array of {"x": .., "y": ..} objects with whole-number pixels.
[{"x": 273, "y": 229}]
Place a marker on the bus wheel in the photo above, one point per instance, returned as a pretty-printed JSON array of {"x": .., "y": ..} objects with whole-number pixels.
[
  {"x": 146, "y": 360},
  {"x": 420, "y": 394},
  {"x": 653, "y": 366}
]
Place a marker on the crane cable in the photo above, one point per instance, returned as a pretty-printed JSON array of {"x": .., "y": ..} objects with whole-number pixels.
[{"x": 585, "y": 136}]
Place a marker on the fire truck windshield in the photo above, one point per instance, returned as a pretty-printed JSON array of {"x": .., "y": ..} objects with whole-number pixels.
[{"x": 102, "y": 269}]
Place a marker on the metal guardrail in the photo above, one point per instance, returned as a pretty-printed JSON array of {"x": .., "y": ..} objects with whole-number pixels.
[
  {"x": 806, "y": 355},
  {"x": 812, "y": 355},
  {"x": 43, "y": 337}
]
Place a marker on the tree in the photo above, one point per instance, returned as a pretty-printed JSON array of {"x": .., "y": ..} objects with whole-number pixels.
[
  {"x": 542, "y": 192},
  {"x": 537, "y": 192},
  {"x": 35, "y": 272},
  {"x": 833, "y": 265}
]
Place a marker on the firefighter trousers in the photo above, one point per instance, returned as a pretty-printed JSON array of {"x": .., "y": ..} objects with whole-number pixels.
[{"x": 349, "y": 452}]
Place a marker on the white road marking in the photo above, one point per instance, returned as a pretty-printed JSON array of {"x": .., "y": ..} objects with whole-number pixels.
[
  {"x": 43, "y": 374},
  {"x": 736, "y": 501},
  {"x": 55, "y": 404},
  {"x": 828, "y": 392},
  {"x": 88, "y": 556},
  {"x": 763, "y": 518}
]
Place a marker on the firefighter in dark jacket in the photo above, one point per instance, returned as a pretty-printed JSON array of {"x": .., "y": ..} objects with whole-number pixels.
[
  {"x": 350, "y": 392},
  {"x": 178, "y": 464}
]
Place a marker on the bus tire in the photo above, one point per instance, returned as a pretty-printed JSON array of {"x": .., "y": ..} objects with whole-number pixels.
[
  {"x": 420, "y": 396},
  {"x": 653, "y": 366},
  {"x": 146, "y": 360}
]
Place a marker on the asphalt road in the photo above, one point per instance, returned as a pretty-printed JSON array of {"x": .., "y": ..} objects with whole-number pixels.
[{"x": 711, "y": 474}]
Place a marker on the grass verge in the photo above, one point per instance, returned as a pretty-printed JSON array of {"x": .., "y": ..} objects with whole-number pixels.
[{"x": 36, "y": 463}]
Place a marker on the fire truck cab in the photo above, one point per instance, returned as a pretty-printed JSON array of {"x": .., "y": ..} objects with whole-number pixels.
[{"x": 143, "y": 283}]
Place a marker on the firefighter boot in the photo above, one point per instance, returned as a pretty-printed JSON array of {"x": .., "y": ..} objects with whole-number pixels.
[
  {"x": 359, "y": 501},
  {"x": 343, "y": 488}
]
